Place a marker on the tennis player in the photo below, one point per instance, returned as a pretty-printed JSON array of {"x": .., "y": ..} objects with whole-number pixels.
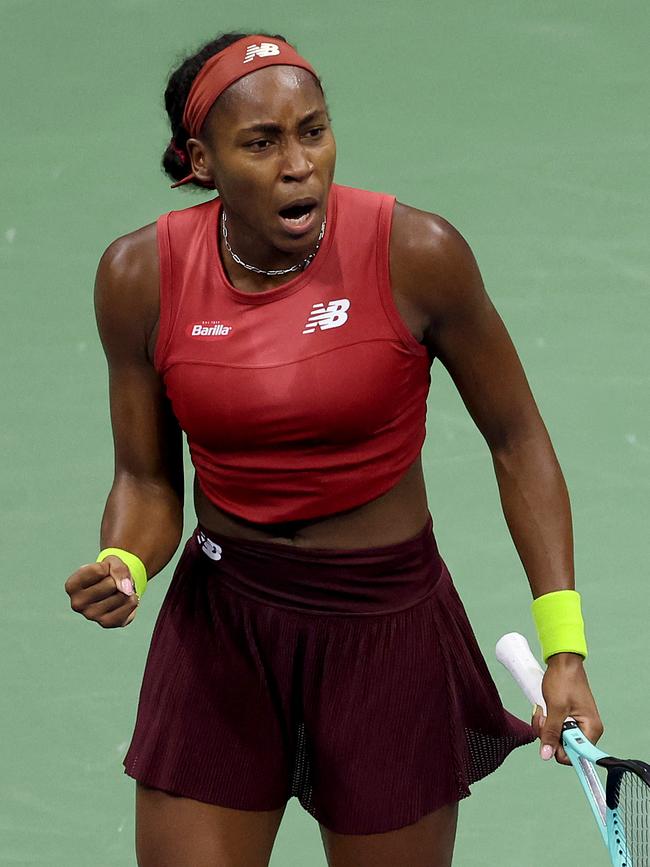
[{"x": 312, "y": 642}]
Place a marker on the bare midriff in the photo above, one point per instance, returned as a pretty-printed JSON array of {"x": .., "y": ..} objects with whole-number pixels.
[{"x": 395, "y": 516}]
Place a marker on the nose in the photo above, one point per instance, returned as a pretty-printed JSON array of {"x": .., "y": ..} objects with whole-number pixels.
[{"x": 297, "y": 165}]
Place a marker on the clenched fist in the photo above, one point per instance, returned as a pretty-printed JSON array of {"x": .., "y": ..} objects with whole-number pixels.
[{"x": 103, "y": 592}]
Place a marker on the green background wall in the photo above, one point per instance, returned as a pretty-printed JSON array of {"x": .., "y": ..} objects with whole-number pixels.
[{"x": 523, "y": 123}]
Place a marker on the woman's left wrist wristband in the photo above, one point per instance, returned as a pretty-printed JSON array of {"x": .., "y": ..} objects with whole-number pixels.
[{"x": 133, "y": 563}]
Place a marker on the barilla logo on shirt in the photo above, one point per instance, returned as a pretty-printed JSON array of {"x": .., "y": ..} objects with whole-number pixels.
[{"x": 208, "y": 329}]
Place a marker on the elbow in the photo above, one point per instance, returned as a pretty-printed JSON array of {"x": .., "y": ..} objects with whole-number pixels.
[{"x": 518, "y": 441}]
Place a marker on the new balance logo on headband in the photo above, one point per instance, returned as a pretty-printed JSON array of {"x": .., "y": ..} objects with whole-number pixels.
[
  {"x": 332, "y": 316},
  {"x": 264, "y": 49}
]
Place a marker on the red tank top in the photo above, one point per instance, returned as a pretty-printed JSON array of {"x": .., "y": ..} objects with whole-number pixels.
[{"x": 302, "y": 400}]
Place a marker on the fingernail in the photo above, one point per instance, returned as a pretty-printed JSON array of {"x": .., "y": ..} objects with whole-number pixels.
[
  {"x": 127, "y": 586},
  {"x": 546, "y": 752}
]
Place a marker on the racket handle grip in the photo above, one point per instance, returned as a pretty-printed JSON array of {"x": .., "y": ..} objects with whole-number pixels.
[{"x": 513, "y": 651}]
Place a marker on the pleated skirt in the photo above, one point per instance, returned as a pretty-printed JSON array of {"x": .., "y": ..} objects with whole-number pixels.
[{"x": 350, "y": 679}]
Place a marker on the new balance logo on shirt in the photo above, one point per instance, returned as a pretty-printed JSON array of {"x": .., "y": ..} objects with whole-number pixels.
[
  {"x": 264, "y": 49},
  {"x": 332, "y": 316}
]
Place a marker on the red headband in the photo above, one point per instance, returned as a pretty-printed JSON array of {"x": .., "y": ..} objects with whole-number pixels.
[{"x": 223, "y": 69}]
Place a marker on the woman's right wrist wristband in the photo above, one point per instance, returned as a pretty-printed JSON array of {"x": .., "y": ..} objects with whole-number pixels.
[
  {"x": 559, "y": 623},
  {"x": 134, "y": 564}
]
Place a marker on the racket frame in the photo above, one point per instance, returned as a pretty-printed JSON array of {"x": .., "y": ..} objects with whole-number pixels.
[{"x": 583, "y": 755}]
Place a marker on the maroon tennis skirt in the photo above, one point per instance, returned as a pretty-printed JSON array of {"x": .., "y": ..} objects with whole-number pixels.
[{"x": 351, "y": 679}]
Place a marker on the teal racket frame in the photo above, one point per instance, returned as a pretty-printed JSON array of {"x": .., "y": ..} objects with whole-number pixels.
[{"x": 583, "y": 756}]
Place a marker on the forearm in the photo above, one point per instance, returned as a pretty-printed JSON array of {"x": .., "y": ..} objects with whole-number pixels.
[
  {"x": 145, "y": 518},
  {"x": 536, "y": 507}
]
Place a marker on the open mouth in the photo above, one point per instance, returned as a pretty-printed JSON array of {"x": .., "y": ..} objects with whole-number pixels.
[{"x": 298, "y": 215}]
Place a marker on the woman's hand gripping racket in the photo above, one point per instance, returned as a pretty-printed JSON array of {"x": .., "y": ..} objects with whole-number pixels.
[{"x": 622, "y": 808}]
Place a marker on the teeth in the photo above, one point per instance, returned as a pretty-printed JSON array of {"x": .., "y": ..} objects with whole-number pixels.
[{"x": 298, "y": 220}]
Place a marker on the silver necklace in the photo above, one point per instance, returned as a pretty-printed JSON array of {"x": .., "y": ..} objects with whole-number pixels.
[{"x": 278, "y": 273}]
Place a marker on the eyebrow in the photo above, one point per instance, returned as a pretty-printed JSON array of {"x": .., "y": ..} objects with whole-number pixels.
[{"x": 271, "y": 128}]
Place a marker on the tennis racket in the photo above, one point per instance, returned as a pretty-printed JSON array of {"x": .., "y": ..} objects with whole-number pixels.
[{"x": 622, "y": 807}]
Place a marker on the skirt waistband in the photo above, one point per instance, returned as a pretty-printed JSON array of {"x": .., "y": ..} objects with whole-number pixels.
[{"x": 378, "y": 580}]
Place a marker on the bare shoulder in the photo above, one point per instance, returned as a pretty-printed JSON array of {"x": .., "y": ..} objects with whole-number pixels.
[
  {"x": 431, "y": 263},
  {"x": 126, "y": 288},
  {"x": 129, "y": 260}
]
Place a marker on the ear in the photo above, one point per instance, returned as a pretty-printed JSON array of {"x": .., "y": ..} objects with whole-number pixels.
[{"x": 200, "y": 159}]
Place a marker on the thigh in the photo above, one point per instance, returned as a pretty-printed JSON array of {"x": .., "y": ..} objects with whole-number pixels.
[
  {"x": 172, "y": 831},
  {"x": 212, "y": 720},
  {"x": 428, "y": 842}
]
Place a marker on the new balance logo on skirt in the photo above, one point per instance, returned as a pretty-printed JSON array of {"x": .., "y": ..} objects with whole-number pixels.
[
  {"x": 264, "y": 49},
  {"x": 209, "y": 548},
  {"x": 332, "y": 316}
]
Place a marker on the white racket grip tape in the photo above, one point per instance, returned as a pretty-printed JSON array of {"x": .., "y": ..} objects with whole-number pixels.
[{"x": 513, "y": 651}]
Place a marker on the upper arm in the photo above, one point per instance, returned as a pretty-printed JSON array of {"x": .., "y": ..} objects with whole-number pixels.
[
  {"x": 146, "y": 435},
  {"x": 462, "y": 326}
]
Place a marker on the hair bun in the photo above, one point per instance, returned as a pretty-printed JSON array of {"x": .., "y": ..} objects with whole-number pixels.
[
  {"x": 175, "y": 161},
  {"x": 181, "y": 153}
]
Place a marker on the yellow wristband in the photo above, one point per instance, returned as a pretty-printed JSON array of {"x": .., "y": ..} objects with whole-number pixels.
[
  {"x": 559, "y": 623},
  {"x": 134, "y": 564}
]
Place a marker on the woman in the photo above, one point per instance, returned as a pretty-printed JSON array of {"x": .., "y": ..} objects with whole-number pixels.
[{"x": 311, "y": 642}]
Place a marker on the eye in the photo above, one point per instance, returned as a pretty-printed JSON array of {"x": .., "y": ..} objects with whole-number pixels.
[
  {"x": 315, "y": 132},
  {"x": 260, "y": 144}
]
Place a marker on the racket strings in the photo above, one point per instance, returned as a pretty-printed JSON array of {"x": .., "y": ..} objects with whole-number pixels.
[{"x": 633, "y": 813}]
